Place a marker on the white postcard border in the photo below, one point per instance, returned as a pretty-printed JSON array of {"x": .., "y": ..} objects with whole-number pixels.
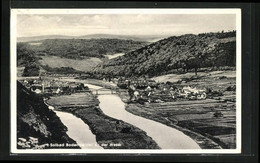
[{"x": 13, "y": 134}]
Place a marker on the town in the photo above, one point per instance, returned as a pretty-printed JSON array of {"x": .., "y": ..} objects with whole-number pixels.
[
  {"x": 140, "y": 90},
  {"x": 46, "y": 86}
]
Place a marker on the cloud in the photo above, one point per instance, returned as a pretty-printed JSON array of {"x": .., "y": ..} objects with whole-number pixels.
[{"x": 124, "y": 24}]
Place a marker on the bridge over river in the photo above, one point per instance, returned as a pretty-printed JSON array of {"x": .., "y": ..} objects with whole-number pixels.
[{"x": 104, "y": 91}]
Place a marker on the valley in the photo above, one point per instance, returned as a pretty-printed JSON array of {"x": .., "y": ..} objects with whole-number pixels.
[{"x": 185, "y": 85}]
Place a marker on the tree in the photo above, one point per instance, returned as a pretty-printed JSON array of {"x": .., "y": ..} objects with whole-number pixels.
[
  {"x": 25, "y": 55},
  {"x": 195, "y": 61},
  {"x": 31, "y": 70}
]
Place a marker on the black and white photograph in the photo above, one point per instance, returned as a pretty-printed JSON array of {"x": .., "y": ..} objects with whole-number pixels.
[{"x": 125, "y": 80}]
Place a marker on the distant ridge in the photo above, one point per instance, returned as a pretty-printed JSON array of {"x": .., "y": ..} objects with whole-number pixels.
[
  {"x": 148, "y": 38},
  {"x": 39, "y": 38}
]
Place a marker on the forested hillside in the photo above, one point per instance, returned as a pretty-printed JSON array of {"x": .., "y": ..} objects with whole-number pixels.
[
  {"x": 77, "y": 54},
  {"x": 37, "y": 126},
  {"x": 177, "y": 53},
  {"x": 83, "y": 48}
]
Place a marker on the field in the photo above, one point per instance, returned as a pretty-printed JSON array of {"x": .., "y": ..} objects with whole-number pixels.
[
  {"x": 80, "y": 65},
  {"x": 176, "y": 77},
  {"x": 211, "y": 121},
  {"x": 114, "y": 55}
]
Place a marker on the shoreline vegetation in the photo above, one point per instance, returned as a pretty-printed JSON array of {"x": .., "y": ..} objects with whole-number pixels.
[{"x": 110, "y": 133}]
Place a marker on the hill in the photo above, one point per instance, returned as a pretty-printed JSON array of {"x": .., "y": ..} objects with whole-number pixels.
[
  {"x": 175, "y": 54},
  {"x": 143, "y": 38},
  {"x": 40, "y": 38},
  {"x": 79, "y": 54},
  {"x": 36, "y": 123},
  {"x": 82, "y": 48}
]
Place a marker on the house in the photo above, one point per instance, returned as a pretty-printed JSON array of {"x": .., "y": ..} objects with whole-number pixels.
[
  {"x": 36, "y": 88},
  {"x": 194, "y": 93},
  {"x": 58, "y": 90},
  {"x": 188, "y": 89},
  {"x": 38, "y": 91}
]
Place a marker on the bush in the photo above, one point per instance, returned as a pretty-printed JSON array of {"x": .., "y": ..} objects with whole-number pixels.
[
  {"x": 231, "y": 88},
  {"x": 126, "y": 130},
  {"x": 218, "y": 114}
]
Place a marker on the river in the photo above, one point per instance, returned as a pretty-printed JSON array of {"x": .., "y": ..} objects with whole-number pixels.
[
  {"x": 111, "y": 104},
  {"x": 166, "y": 137},
  {"x": 77, "y": 130}
]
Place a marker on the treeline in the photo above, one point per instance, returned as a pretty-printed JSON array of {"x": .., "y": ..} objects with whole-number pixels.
[
  {"x": 220, "y": 35},
  {"x": 60, "y": 70},
  {"x": 182, "y": 53},
  {"x": 84, "y": 48}
]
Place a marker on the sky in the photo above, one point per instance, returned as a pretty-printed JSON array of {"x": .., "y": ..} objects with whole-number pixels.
[{"x": 129, "y": 24}]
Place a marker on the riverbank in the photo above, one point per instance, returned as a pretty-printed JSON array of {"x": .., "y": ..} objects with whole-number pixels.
[
  {"x": 110, "y": 133},
  {"x": 210, "y": 122},
  {"x": 146, "y": 111},
  {"x": 140, "y": 110}
]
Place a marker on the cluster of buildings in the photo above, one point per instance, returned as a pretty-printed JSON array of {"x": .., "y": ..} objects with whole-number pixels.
[
  {"x": 192, "y": 93},
  {"x": 150, "y": 91},
  {"x": 47, "y": 86},
  {"x": 165, "y": 94}
]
